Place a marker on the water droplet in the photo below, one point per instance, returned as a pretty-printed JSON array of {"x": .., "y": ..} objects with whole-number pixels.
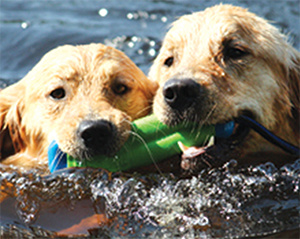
[
  {"x": 134, "y": 38},
  {"x": 152, "y": 52},
  {"x": 153, "y": 16},
  {"x": 143, "y": 14},
  {"x": 130, "y": 44},
  {"x": 164, "y": 19},
  {"x": 24, "y": 25},
  {"x": 103, "y": 12},
  {"x": 130, "y": 16},
  {"x": 152, "y": 43}
]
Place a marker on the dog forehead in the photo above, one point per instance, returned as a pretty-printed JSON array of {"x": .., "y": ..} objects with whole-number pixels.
[
  {"x": 78, "y": 62},
  {"x": 213, "y": 25},
  {"x": 202, "y": 33}
]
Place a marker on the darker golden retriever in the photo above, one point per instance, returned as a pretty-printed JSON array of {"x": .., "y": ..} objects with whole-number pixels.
[
  {"x": 224, "y": 62},
  {"x": 84, "y": 97}
]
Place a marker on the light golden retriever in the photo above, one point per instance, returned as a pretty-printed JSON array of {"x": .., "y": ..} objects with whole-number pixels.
[
  {"x": 224, "y": 62},
  {"x": 84, "y": 97}
]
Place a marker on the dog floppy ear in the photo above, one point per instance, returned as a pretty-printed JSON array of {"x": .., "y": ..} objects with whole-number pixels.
[
  {"x": 294, "y": 89},
  {"x": 11, "y": 107}
]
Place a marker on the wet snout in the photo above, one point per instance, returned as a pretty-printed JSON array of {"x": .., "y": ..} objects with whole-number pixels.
[
  {"x": 180, "y": 94},
  {"x": 183, "y": 99},
  {"x": 98, "y": 136},
  {"x": 93, "y": 134}
]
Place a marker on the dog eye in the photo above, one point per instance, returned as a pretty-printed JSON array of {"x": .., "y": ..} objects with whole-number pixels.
[
  {"x": 169, "y": 61},
  {"x": 235, "y": 53},
  {"x": 58, "y": 93},
  {"x": 120, "y": 89}
]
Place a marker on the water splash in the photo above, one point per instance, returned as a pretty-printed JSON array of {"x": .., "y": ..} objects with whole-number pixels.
[{"x": 233, "y": 201}]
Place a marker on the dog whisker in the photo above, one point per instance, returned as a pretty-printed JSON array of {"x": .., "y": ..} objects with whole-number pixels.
[
  {"x": 138, "y": 137},
  {"x": 144, "y": 110}
]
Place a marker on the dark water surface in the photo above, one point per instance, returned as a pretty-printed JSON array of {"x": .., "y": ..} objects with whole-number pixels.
[{"x": 230, "y": 202}]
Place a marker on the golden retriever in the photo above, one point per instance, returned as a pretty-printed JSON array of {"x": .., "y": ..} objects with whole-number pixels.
[
  {"x": 224, "y": 62},
  {"x": 84, "y": 97}
]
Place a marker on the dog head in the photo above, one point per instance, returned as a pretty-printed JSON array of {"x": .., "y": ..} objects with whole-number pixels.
[
  {"x": 83, "y": 97},
  {"x": 224, "y": 62}
]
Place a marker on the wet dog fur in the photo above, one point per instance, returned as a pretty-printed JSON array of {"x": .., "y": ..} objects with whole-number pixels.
[
  {"x": 84, "y": 97},
  {"x": 224, "y": 62}
]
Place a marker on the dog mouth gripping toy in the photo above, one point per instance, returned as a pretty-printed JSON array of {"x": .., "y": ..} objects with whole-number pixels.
[{"x": 151, "y": 141}]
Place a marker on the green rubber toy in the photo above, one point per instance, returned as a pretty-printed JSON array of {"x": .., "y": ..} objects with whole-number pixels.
[{"x": 151, "y": 141}]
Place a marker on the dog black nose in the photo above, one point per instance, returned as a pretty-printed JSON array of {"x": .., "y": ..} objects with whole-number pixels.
[
  {"x": 181, "y": 93},
  {"x": 95, "y": 134}
]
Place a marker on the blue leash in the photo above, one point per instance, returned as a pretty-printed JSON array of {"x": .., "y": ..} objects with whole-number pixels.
[{"x": 248, "y": 122}]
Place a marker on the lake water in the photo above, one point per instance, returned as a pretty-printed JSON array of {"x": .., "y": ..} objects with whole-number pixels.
[{"x": 229, "y": 202}]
